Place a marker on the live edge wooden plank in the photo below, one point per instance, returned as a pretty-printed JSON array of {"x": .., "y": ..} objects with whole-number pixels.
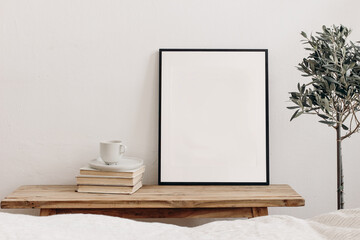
[{"x": 65, "y": 197}]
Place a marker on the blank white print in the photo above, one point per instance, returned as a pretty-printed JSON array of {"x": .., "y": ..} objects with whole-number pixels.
[{"x": 213, "y": 116}]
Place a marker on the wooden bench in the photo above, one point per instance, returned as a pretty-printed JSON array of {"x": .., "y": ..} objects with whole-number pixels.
[{"x": 158, "y": 201}]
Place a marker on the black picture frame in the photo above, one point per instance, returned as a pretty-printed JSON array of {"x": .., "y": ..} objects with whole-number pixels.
[{"x": 162, "y": 181}]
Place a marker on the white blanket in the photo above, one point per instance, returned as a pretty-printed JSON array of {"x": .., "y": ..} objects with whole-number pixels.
[{"x": 344, "y": 225}]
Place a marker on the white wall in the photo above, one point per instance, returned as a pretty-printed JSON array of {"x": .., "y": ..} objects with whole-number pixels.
[{"x": 75, "y": 72}]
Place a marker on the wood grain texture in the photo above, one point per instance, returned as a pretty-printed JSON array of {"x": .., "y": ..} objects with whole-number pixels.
[
  {"x": 258, "y": 212},
  {"x": 47, "y": 212},
  {"x": 59, "y": 196},
  {"x": 166, "y": 212}
]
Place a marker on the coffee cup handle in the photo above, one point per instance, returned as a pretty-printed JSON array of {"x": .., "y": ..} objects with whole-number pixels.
[{"x": 122, "y": 149}]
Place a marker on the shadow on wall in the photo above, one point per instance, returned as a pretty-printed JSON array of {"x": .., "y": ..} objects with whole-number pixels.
[
  {"x": 33, "y": 212},
  {"x": 145, "y": 128}
]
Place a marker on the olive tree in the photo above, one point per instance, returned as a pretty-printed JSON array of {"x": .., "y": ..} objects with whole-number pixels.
[{"x": 333, "y": 90}]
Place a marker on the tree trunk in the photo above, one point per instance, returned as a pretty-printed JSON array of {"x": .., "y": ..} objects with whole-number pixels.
[{"x": 340, "y": 176}]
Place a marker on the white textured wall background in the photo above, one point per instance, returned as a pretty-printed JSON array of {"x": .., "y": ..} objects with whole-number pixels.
[{"x": 75, "y": 72}]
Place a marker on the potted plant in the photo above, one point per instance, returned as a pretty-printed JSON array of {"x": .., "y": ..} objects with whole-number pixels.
[{"x": 333, "y": 91}]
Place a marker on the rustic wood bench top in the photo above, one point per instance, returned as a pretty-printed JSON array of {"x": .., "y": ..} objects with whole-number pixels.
[{"x": 158, "y": 201}]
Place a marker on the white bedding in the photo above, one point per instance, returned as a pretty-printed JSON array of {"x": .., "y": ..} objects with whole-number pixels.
[{"x": 343, "y": 224}]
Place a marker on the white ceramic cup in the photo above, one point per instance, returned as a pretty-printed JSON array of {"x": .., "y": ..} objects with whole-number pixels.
[{"x": 111, "y": 152}]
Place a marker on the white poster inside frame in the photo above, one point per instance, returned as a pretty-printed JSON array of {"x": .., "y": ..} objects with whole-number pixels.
[{"x": 213, "y": 126}]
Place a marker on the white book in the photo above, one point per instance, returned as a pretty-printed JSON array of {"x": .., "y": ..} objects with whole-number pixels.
[
  {"x": 107, "y": 180},
  {"x": 109, "y": 189},
  {"x": 124, "y": 174}
]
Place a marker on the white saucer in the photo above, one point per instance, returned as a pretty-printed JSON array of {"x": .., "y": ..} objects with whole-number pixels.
[{"x": 125, "y": 164}]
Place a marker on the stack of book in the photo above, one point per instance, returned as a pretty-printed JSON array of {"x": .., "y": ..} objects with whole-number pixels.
[{"x": 96, "y": 181}]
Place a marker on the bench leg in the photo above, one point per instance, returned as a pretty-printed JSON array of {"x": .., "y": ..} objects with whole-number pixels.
[
  {"x": 259, "y": 211},
  {"x": 47, "y": 211}
]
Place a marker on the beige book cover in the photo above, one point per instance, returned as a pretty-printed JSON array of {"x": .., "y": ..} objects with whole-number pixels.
[
  {"x": 87, "y": 171},
  {"x": 109, "y": 189},
  {"x": 107, "y": 180}
]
